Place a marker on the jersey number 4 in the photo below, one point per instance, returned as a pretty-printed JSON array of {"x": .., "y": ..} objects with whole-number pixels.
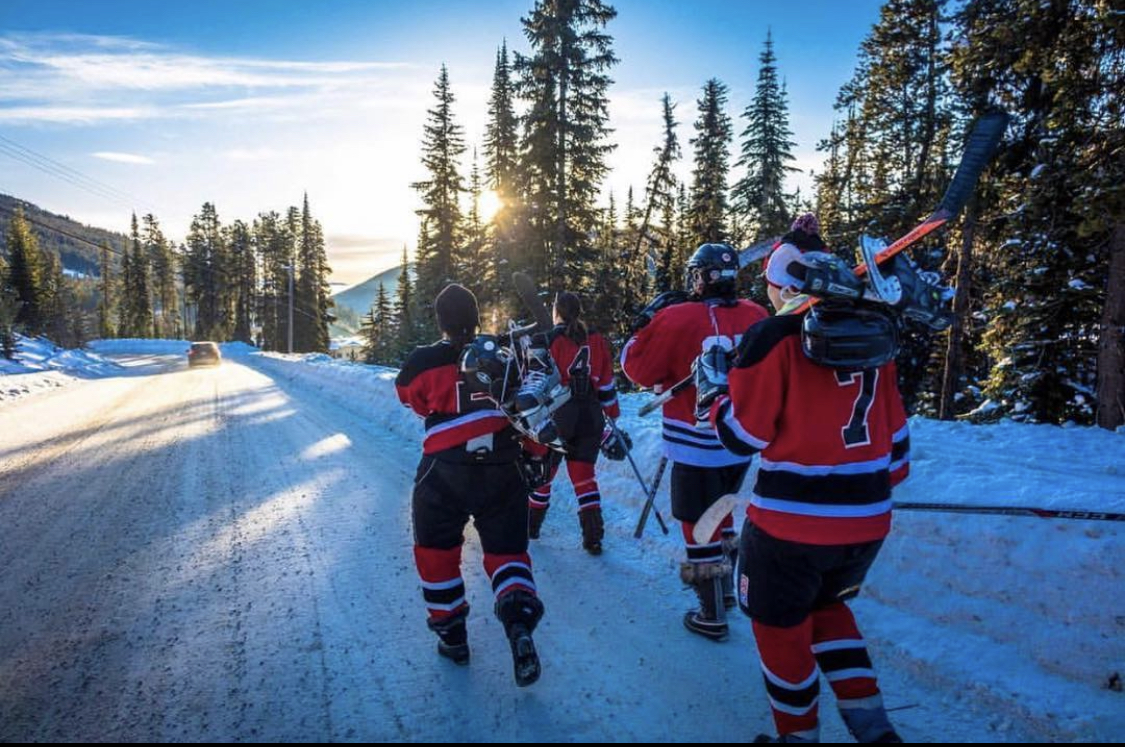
[{"x": 855, "y": 433}]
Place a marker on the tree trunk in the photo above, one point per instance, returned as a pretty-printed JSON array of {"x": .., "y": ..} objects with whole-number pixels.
[
  {"x": 1111, "y": 343},
  {"x": 954, "y": 353}
]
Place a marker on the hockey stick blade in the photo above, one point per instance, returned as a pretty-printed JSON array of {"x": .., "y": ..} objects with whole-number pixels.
[
  {"x": 979, "y": 150},
  {"x": 714, "y": 516},
  {"x": 756, "y": 251},
  {"x": 529, "y": 294}
]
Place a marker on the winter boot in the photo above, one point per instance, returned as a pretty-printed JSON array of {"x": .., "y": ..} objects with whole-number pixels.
[
  {"x": 520, "y": 611},
  {"x": 870, "y": 725},
  {"x": 453, "y": 638},
  {"x": 710, "y": 620},
  {"x": 535, "y": 517},
  {"x": 730, "y": 550},
  {"x": 593, "y": 529}
]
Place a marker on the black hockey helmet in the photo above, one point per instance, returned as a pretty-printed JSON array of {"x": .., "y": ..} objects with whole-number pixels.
[
  {"x": 716, "y": 265},
  {"x": 486, "y": 366},
  {"x": 849, "y": 337}
]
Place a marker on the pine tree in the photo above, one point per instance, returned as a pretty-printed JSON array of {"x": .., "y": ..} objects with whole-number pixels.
[
  {"x": 1045, "y": 300},
  {"x": 105, "y": 295},
  {"x": 712, "y": 155},
  {"x": 7, "y": 314},
  {"x": 405, "y": 311},
  {"x": 310, "y": 320},
  {"x": 441, "y": 231},
  {"x": 378, "y": 330},
  {"x": 161, "y": 260},
  {"x": 473, "y": 263},
  {"x": 25, "y": 274},
  {"x": 767, "y": 150},
  {"x": 241, "y": 241},
  {"x": 660, "y": 198},
  {"x": 206, "y": 275},
  {"x": 271, "y": 236},
  {"x": 566, "y": 129}
]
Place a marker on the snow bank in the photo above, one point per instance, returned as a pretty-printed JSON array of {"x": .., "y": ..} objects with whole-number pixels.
[{"x": 41, "y": 365}]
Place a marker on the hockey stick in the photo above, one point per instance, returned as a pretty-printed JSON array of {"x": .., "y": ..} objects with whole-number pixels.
[
  {"x": 659, "y": 400},
  {"x": 714, "y": 516},
  {"x": 1042, "y": 513},
  {"x": 644, "y": 485},
  {"x": 529, "y": 294},
  {"x": 652, "y": 498},
  {"x": 979, "y": 150}
]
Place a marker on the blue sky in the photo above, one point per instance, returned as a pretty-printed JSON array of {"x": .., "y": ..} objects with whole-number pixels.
[{"x": 249, "y": 103}]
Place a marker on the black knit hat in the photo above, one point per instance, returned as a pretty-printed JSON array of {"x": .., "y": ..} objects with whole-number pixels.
[{"x": 456, "y": 309}]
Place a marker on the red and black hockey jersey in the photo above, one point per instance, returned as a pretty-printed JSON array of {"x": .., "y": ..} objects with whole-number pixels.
[
  {"x": 461, "y": 425},
  {"x": 661, "y": 354},
  {"x": 587, "y": 368},
  {"x": 832, "y": 444}
]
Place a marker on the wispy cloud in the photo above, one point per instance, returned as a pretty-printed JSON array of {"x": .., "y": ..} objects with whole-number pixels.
[
  {"x": 109, "y": 155},
  {"x": 82, "y": 79}
]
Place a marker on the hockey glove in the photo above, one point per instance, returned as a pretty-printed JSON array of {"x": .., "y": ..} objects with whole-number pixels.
[
  {"x": 616, "y": 444},
  {"x": 664, "y": 300},
  {"x": 710, "y": 379}
]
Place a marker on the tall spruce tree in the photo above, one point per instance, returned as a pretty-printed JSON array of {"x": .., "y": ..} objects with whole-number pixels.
[
  {"x": 759, "y": 197},
  {"x": 405, "y": 311},
  {"x": 473, "y": 263},
  {"x": 25, "y": 274},
  {"x": 161, "y": 260},
  {"x": 106, "y": 294},
  {"x": 564, "y": 83},
  {"x": 243, "y": 265},
  {"x": 312, "y": 300},
  {"x": 441, "y": 223},
  {"x": 7, "y": 314},
  {"x": 275, "y": 249},
  {"x": 660, "y": 199},
  {"x": 378, "y": 330},
  {"x": 712, "y": 157},
  {"x": 206, "y": 275}
]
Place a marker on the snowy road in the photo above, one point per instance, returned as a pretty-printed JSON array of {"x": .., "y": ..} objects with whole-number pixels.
[{"x": 221, "y": 554}]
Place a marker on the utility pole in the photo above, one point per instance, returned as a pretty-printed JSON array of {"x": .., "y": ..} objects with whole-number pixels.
[{"x": 289, "y": 268}]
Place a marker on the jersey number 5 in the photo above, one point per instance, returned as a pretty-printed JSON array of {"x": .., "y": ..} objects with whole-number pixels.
[{"x": 855, "y": 432}]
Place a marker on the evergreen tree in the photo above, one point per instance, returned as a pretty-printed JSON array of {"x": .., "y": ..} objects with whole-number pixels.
[
  {"x": 105, "y": 295},
  {"x": 312, "y": 291},
  {"x": 473, "y": 263},
  {"x": 566, "y": 129},
  {"x": 161, "y": 260},
  {"x": 712, "y": 155},
  {"x": 137, "y": 301},
  {"x": 241, "y": 241},
  {"x": 405, "y": 311},
  {"x": 206, "y": 275},
  {"x": 378, "y": 331},
  {"x": 25, "y": 274},
  {"x": 271, "y": 235},
  {"x": 767, "y": 149},
  {"x": 7, "y": 314},
  {"x": 441, "y": 231},
  {"x": 660, "y": 198},
  {"x": 501, "y": 135}
]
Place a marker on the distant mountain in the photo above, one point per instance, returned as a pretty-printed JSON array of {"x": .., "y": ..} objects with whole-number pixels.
[
  {"x": 62, "y": 235},
  {"x": 360, "y": 297}
]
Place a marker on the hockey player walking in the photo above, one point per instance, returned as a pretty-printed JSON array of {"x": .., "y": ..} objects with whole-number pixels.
[
  {"x": 585, "y": 366},
  {"x": 469, "y": 468},
  {"x": 817, "y": 395},
  {"x": 660, "y": 354}
]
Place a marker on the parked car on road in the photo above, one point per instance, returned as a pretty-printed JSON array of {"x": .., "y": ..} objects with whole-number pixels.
[{"x": 204, "y": 354}]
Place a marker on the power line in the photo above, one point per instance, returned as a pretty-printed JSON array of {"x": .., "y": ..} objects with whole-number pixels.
[{"x": 74, "y": 176}]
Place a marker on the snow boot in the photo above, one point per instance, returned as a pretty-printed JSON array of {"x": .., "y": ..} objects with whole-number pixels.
[
  {"x": 593, "y": 530},
  {"x": 870, "y": 725},
  {"x": 710, "y": 620},
  {"x": 520, "y": 611},
  {"x": 453, "y": 638}
]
